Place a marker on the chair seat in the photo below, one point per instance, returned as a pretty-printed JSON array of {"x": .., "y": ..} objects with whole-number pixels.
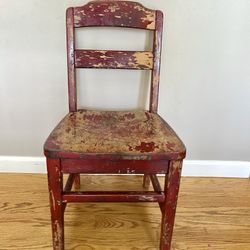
[{"x": 139, "y": 135}]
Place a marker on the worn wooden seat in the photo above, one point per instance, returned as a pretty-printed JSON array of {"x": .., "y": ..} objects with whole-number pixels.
[
  {"x": 114, "y": 135},
  {"x": 115, "y": 142}
]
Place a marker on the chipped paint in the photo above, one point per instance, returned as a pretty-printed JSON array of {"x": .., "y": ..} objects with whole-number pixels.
[
  {"x": 136, "y": 157},
  {"x": 52, "y": 199},
  {"x": 57, "y": 236},
  {"x": 78, "y": 18},
  {"x": 113, "y": 7},
  {"x": 113, "y": 59},
  {"x": 105, "y": 132},
  {"x": 155, "y": 80},
  {"x": 114, "y": 13},
  {"x": 150, "y": 20},
  {"x": 130, "y": 171},
  {"x": 144, "y": 58},
  {"x": 172, "y": 183},
  {"x": 70, "y": 59},
  {"x": 146, "y": 198},
  {"x": 166, "y": 237},
  {"x": 176, "y": 166}
]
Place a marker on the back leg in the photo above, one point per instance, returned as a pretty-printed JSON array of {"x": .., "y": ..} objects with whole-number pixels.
[
  {"x": 146, "y": 181},
  {"x": 172, "y": 183},
  {"x": 77, "y": 181}
]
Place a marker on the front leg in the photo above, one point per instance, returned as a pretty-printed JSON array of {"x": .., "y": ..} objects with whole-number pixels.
[
  {"x": 55, "y": 183},
  {"x": 171, "y": 189}
]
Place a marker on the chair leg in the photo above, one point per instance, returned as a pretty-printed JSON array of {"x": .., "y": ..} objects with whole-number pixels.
[
  {"x": 146, "y": 181},
  {"x": 55, "y": 183},
  {"x": 77, "y": 181},
  {"x": 172, "y": 182}
]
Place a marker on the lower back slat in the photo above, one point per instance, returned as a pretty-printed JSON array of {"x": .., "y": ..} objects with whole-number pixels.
[{"x": 113, "y": 59}]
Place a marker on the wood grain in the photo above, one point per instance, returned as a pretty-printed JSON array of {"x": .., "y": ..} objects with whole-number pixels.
[
  {"x": 212, "y": 213},
  {"x": 114, "y": 135}
]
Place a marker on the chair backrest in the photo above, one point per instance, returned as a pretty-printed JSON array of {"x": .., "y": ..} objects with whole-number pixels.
[{"x": 114, "y": 14}]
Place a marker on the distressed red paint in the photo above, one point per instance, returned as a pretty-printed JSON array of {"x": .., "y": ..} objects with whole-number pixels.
[
  {"x": 134, "y": 142},
  {"x": 119, "y": 166},
  {"x": 146, "y": 147},
  {"x": 114, "y": 132},
  {"x": 155, "y": 75},
  {"x": 114, "y": 13},
  {"x": 111, "y": 59}
]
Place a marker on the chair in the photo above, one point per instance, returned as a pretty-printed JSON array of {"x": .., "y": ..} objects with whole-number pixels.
[{"x": 117, "y": 142}]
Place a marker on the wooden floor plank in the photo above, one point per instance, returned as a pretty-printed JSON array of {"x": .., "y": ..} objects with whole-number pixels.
[{"x": 212, "y": 213}]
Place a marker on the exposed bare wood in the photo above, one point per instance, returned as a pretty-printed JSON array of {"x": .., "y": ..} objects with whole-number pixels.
[
  {"x": 171, "y": 190},
  {"x": 55, "y": 183},
  {"x": 155, "y": 77},
  {"x": 114, "y": 13},
  {"x": 70, "y": 33},
  {"x": 111, "y": 59},
  {"x": 90, "y": 134}
]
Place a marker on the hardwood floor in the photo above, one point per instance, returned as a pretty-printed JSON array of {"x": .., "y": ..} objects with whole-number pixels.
[{"x": 212, "y": 213}]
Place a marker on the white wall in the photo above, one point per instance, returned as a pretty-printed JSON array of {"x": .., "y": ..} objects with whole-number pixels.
[{"x": 205, "y": 80}]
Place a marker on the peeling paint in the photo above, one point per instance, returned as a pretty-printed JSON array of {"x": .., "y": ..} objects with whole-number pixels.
[
  {"x": 176, "y": 165},
  {"x": 119, "y": 13},
  {"x": 157, "y": 56},
  {"x": 146, "y": 198},
  {"x": 53, "y": 200},
  {"x": 113, "y": 59},
  {"x": 114, "y": 132},
  {"x": 58, "y": 243},
  {"x": 167, "y": 236},
  {"x": 113, "y": 8},
  {"x": 130, "y": 171},
  {"x": 144, "y": 58},
  {"x": 70, "y": 59}
]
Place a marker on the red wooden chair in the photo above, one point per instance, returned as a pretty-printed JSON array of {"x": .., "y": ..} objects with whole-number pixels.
[{"x": 118, "y": 142}]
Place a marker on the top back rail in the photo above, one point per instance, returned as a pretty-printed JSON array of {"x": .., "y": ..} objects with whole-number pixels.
[{"x": 114, "y": 14}]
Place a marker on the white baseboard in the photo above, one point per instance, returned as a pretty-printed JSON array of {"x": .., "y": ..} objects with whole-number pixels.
[
  {"x": 209, "y": 168},
  {"x": 195, "y": 168},
  {"x": 22, "y": 164}
]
